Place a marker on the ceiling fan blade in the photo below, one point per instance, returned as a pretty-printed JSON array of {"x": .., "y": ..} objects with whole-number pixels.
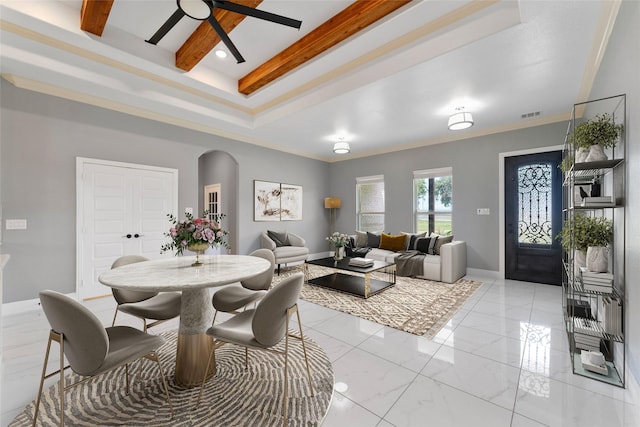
[
  {"x": 256, "y": 13},
  {"x": 168, "y": 25},
  {"x": 225, "y": 38}
]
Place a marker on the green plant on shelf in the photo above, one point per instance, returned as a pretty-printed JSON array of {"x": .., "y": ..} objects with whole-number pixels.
[
  {"x": 600, "y": 130},
  {"x": 584, "y": 231}
]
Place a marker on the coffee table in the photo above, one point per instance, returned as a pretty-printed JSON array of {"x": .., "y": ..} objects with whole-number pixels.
[{"x": 363, "y": 286}]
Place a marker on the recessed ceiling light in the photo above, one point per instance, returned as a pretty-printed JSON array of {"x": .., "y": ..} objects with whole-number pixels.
[{"x": 221, "y": 54}]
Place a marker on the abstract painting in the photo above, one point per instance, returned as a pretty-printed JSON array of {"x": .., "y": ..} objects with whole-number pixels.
[
  {"x": 290, "y": 202},
  {"x": 266, "y": 201}
]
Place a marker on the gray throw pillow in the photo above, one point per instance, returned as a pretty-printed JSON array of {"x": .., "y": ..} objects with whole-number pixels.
[
  {"x": 281, "y": 238},
  {"x": 411, "y": 239},
  {"x": 441, "y": 241},
  {"x": 373, "y": 240},
  {"x": 361, "y": 239}
]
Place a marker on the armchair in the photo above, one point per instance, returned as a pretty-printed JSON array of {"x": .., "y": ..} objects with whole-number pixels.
[{"x": 288, "y": 248}]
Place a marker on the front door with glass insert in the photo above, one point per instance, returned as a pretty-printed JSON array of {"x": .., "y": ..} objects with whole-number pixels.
[{"x": 533, "y": 217}]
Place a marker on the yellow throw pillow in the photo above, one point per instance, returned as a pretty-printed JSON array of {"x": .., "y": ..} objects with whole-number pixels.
[{"x": 393, "y": 243}]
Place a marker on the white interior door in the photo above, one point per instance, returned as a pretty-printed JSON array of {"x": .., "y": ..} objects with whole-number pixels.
[
  {"x": 122, "y": 210},
  {"x": 212, "y": 204}
]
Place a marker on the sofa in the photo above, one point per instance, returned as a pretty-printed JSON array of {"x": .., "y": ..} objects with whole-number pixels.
[{"x": 447, "y": 263}]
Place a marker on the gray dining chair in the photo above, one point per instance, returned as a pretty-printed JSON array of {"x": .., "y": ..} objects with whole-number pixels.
[
  {"x": 234, "y": 297},
  {"x": 91, "y": 349},
  {"x": 145, "y": 305},
  {"x": 263, "y": 328}
]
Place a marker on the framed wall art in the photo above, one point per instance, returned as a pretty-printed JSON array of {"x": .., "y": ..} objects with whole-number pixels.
[
  {"x": 290, "y": 202},
  {"x": 266, "y": 201},
  {"x": 274, "y": 201}
]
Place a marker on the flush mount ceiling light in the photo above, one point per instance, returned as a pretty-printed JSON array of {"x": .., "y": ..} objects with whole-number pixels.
[
  {"x": 341, "y": 148},
  {"x": 460, "y": 120},
  {"x": 195, "y": 9}
]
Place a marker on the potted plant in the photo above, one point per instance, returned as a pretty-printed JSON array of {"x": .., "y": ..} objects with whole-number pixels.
[
  {"x": 589, "y": 236},
  {"x": 595, "y": 135},
  {"x": 567, "y": 163}
]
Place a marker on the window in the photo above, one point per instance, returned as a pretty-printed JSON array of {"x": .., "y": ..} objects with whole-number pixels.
[
  {"x": 433, "y": 191},
  {"x": 370, "y": 203}
]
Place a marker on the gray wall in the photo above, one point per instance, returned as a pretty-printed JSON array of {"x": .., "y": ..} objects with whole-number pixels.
[
  {"x": 619, "y": 73},
  {"x": 41, "y": 138},
  {"x": 475, "y": 182}
]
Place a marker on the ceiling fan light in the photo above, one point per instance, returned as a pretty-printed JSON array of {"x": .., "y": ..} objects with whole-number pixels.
[
  {"x": 196, "y": 9},
  {"x": 341, "y": 148},
  {"x": 221, "y": 54},
  {"x": 459, "y": 121}
]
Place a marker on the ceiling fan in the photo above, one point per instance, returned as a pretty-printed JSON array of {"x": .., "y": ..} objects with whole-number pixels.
[{"x": 202, "y": 10}]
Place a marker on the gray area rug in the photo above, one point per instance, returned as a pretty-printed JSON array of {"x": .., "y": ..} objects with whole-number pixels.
[
  {"x": 233, "y": 397},
  {"x": 418, "y": 306}
]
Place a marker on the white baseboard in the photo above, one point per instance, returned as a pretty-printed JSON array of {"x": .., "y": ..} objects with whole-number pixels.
[
  {"x": 18, "y": 307},
  {"x": 489, "y": 274}
]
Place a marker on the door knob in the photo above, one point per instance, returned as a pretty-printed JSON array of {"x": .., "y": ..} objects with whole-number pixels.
[{"x": 128, "y": 236}]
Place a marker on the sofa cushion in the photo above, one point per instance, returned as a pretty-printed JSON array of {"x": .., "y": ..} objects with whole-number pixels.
[
  {"x": 373, "y": 240},
  {"x": 441, "y": 241},
  {"x": 361, "y": 239},
  {"x": 426, "y": 244},
  {"x": 393, "y": 243},
  {"x": 383, "y": 255},
  {"x": 280, "y": 238},
  {"x": 411, "y": 239}
]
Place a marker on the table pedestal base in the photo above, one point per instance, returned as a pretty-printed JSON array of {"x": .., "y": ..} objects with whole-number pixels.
[
  {"x": 191, "y": 359},
  {"x": 194, "y": 345}
]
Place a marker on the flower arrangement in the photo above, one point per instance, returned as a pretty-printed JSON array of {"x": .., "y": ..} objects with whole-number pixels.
[
  {"x": 198, "y": 233},
  {"x": 338, "y": 240}
]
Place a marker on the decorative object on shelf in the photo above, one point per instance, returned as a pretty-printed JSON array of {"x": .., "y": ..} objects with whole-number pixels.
[
  {"x": 195, "y": 234},
  {"x": 460, "y": 120},
  {"x": 583, "y": 232},
  {"x": 567, "y": 163},
  {"x": 338, "y": 241},
  {"x": 594, "y": 361},
  {"x": 595, "y": 187},
  {"x": 597, "y": 259},
  {"x": 332, "y": 203},
  {"x": 274, "y": 201},
  {"x": 581, "y": 154},
  {"x": 595, "y": 135}
]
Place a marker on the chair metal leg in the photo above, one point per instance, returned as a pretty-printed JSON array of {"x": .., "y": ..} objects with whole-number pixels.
[
  {"x": 44, "y": 373},
  {"x": 126, "y": 376},
  {"x": 61, "y": 380},
  {"x": 212, "y": 356},
  {"x": 304, "y": 350},
  {"x": 154, "y": 357},
  {"x": 214, "y": 318},
  {"x": 286, "y": 379},
  {"x": 278, "y": 269},
  {"x": 114, "y": 317},
  {"x": 246, "y": 358}
]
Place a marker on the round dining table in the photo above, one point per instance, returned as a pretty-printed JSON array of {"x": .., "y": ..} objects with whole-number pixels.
[{"x": 196, "y": 314}]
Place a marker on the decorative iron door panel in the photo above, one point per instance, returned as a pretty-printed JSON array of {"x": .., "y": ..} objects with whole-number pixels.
[{"x": 533, "y": 217}]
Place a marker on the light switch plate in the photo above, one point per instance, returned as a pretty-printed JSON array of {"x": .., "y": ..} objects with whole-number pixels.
[
  {"x": 16, "y": 224},
  {"x": 484, "y": 211}
]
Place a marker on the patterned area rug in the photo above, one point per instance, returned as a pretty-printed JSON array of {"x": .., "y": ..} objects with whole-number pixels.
[
  {"x": 233, "y": 397},
  {"x": 418, "y": 306}
]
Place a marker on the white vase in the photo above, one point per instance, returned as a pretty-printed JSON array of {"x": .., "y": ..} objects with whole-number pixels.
[
  {"x": 597, "y": 259},
  {"x": 596, "y": 153},
  {"x": 579, "y": 260},
  {"x": 339, "y": 253},
  {"x": 581, "y": 154}
]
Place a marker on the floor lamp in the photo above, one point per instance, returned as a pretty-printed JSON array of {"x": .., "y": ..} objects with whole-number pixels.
[{"x": 332, "y": 203}]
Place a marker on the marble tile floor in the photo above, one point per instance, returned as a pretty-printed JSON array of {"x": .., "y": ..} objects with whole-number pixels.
[{"x": 502, "y": 360}]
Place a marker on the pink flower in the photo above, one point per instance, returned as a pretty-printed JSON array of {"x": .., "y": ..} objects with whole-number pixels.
[
  {"x": 219, "y": 234},
  {"x": 197, "y": 221}
]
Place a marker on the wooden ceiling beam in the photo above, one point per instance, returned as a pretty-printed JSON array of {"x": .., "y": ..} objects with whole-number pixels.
[
  {"x": 204, "y": 39},
  {"x": 94, "y": 14},
  {"x": 349, "y": 21}
]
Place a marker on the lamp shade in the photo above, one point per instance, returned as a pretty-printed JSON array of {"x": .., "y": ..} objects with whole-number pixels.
[
  {"x": 332, "y": 202},
  {"x": 196, "y": 9},
  {"x": 461, "y": 120},
  {"x": 341, "y": 148}
]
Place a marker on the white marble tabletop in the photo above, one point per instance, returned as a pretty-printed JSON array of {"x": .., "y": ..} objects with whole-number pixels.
[{"x": 177, "y": 274}]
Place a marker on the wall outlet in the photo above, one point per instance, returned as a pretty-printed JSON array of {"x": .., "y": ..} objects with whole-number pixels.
[
  {"x": 16, "y": 224},
  {"x": 484, "y": 211}
]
